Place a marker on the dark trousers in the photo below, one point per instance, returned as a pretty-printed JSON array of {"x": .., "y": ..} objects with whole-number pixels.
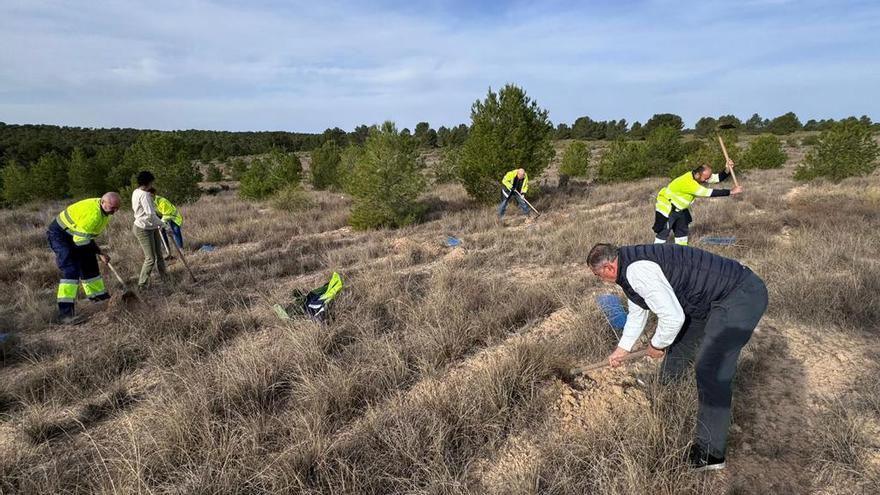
[
  {"x": 716, "y": 343},
  {"x": 78, "y": 264},
  {"x": 678, "y": 223},
  {"x": 506, "y": 196},
  {"x": 175, "y": 231}
]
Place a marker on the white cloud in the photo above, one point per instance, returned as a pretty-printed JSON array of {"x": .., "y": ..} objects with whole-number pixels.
[{"x": 307, "y": 66}]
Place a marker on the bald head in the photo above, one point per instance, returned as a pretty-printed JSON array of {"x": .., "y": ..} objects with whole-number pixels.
[
  {"x": 110, "y": 202},
  {"x": 520, "y": 173}
]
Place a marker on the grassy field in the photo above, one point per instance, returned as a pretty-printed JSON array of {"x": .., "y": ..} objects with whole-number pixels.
[{"x": 440, "y": 372}]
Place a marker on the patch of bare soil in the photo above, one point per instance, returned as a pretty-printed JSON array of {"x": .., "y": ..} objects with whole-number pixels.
[{"x": 599, "y": 396}]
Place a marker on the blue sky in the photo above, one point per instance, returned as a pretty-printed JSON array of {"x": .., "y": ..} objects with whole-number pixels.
[{"x": 306, "y": 66}]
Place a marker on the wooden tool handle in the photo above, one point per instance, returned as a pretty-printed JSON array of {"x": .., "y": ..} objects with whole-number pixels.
[
  {"x": 727, "y": 157},
  {"x": 604, "y": 364},
  {"x": 116, "y": 274},
  {"x": 185, "y": 264}
]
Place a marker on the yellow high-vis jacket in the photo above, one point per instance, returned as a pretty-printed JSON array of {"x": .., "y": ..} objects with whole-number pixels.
[
  {"x": 84, "y": 220},
  {"x": 681, "y": 192},
  {"x": 509, "y": 178},
  {"x": 167, "y": 210}
]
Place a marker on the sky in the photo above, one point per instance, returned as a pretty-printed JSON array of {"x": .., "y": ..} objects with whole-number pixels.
[{"x": 306, "y": 66}]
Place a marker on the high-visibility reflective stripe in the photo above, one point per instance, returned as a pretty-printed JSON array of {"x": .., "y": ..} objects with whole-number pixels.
[
  {"x": 681, "y": 241},
  {"x": 69, "y": 281},
  {"x": 704, "y": 192},
  {"x": 680, "y": 202},
  {"x": 67, "y": 290},
  {"x": 90, "y": 280},
  {"x": 81, "y": 242},
  {"x": 66, "y": 300},
  {"x": 658, "y": 240},
  {"x": 94, "y": 286}
]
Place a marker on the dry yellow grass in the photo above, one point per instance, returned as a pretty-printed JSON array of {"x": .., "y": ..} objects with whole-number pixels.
[{"x": 439, "y": 371}]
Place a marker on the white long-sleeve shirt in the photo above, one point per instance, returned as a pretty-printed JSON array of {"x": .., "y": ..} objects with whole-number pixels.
[
  {"x": 647, "y": 279},
  {"x": 144, "y": 210}
]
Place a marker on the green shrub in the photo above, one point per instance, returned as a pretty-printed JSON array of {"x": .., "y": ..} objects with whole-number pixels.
[
  {"x": 508, "y": 131},
  {"x": 847, "y": 149},
  {"x": 810, "y": 140},
  {"x": 386, "y": 181},
  {"x": 623, "y": 160},
  {"x": 237, "y": 169},
  {"x": 286, "y": 169},
  {"x": 269, "y": 174},
  {"x": 49, "y": 177},
  {"x": 765, "y": 151},
  {"x": 662, "y": 150},
  {"x": 291, "y": 198},
  {"x": 351, "y": 155},
  {"x": 325, "y": 165},
  {"x": 256, "y": 183},
  {"x": 213, "y": 173},
  {"x": 708, "y": 153},
  {"x": 16, "y": 184},
  {"x": 447, "y": 168},
  {"x": 87, "y": 178},
  {"x": 575, "y": 160},
  {"x": 164, "y": 154},
  {"x": 785, "y": 124}
]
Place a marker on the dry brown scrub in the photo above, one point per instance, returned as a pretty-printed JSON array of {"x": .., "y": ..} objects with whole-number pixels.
[{"x": 439, "y": 373}]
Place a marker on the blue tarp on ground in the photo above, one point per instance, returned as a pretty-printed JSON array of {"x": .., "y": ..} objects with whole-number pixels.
[
  {"x": 452, "y": 241},
  {"x": 718, "y": 241},
  {"x": 613, "y": 310},
  {"x": 207, "y": 248}
]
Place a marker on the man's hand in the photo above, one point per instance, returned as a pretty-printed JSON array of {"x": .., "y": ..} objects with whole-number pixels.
[
  {"x": 736, "y": 190},
  {"x": 655, "y": 353},
  {"x": 104, "y": 258},
  {"x": 730, "y": 165},
  {"x": 616, "y": 356}
]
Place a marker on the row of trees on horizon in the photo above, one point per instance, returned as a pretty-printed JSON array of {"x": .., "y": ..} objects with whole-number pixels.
[{"x": 383, "y": 169}]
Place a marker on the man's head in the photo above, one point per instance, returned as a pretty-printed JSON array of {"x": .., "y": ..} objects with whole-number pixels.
[
  {"x": 702, "y": 173},
  {"x": 152, "y": 190},
  {"x": 603, "y": 261},
  {"x": 110, "y": 202},
  {"x": 520, "y": 173}
]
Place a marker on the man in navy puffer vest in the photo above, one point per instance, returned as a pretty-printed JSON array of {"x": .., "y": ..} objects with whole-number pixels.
[{"x": 707, "y": 307}]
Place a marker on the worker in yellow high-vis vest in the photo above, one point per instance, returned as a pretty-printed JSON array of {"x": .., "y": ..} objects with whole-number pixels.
[
  {"x": 674, "y": 201},
  {"x": 514, "y": 185},
  {"x": 72, "y": 237},
  {"x": 171, "y": 216}
]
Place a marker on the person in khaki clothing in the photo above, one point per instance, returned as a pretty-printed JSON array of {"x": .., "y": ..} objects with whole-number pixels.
[{"x": 147, "y": 227}]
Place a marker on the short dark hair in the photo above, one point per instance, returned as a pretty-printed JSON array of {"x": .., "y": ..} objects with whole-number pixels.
[
  {"x": 601, "y": 254},
  {"x": 151, "y": 190},
  {"x": 145, "y": 178},
  {"x": 701, "y": 169}
]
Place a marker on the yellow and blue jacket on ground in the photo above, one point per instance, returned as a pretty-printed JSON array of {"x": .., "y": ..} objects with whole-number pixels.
[
  {"x": 167, "y": 210},
  {"x": 84, "y": 220},
  {"x": 510, "y": 178},
  {"x": 682, "y": 191}
]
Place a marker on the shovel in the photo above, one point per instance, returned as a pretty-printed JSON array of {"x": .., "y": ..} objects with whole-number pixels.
[
  {"x": 724, "y": 150},
  {"x": 574, "y": 372},
  {"x": 537, "y": 213},
  {"x": 182, "y": 258},
  {"x": 126, "y": 293}
]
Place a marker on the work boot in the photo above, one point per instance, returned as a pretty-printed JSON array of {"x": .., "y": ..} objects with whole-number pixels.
[
  {"x": 70, "y": 320},
  {"x": 700, "y": 460}
]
